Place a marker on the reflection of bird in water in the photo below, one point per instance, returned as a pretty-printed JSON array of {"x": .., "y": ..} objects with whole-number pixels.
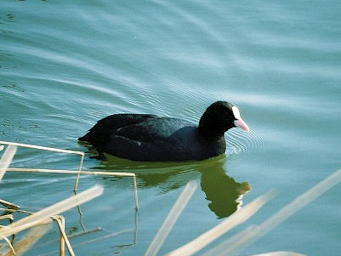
[{"x": 223, "y": 192}]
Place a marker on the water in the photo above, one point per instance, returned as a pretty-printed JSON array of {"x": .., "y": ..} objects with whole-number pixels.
[{"x": 64, "y": 65}]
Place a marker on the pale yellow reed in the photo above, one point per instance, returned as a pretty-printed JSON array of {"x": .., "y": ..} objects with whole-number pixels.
[
  {"x": 280, "y": 254},
  {"x": 171, "y": 218},
  {"x": 46, "y": 213},
  {"x": 6, "y": 159},
  {"x": 245, "y": 237},
  {"x": 232, "y": 221},
  {"x": 122, "y": 174},
  {"x": 28, "y": 240}
]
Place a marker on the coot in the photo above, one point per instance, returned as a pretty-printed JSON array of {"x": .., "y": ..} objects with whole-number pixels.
[{"x": 143, "y": 137}]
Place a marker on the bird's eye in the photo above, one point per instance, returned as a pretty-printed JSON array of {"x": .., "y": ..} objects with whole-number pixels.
[{"x": 236, "y": 113}]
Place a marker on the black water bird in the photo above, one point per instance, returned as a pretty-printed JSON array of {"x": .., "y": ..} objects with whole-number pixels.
[{"x": 143, "y": 137}]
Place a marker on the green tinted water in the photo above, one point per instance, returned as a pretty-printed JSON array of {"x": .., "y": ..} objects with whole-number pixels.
[{"x": 64, "y": 65}]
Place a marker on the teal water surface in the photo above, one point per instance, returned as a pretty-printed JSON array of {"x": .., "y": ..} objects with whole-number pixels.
[{"x": 66, "y": 64}]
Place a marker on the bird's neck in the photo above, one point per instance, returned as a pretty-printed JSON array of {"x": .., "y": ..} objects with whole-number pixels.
[{"x": 210, "y": 132}]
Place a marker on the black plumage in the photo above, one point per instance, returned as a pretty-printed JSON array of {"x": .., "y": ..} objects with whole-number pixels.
[{"x": 143, "y": 137}]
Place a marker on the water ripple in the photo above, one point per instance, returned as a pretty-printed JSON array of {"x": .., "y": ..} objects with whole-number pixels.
[{"x": 239, "y": 141}]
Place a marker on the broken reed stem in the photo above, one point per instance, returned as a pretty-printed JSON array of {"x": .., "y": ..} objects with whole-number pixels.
[
  {"x": 6, "y": 159},
  {"x": 85, "y": 242},
  {"x": 127, "y": 174},
  {"x": 50, "y": 211},
  {"x": 30, "y": 220},
  {"x": 81, "y": 154},
  {"x": 9, "y": 244},
  {"x": 78, "y": 172},
  {"x": 171, "y": 218},
  {"x": 63, "y": 237},
  {"x": 75, "y": 188},
  {"x": 124, "y": 174},
  {"x": 42, "y": 148},
  {"x": 13, "y": 210},
  {"x": 232, "y": 221},
  {"x": 9, "y": 230},
  {"x": 253, "y": 233},
  {"x": 28, "y": 240},
  {"x": 135, "y": 193},
  {"x": 6, "y": 217},
  {"x": 61, "y": 225},
  {"x": 9, "y": 205}
]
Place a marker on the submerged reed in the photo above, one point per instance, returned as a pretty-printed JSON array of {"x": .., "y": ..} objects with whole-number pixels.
[
  {"x": 234, "y": 220},
  {"x": 171, "y": 218},
  {"x": 28, "y": 240}
]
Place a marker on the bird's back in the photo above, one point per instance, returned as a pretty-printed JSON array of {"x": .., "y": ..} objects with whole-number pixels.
[{"x": 152, "y": 138}]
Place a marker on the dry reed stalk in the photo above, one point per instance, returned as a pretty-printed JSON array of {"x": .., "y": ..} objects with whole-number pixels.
[
  {"x": 6, "y": 217},
  {"x": 9, "y": 245},
  {"x": 280, "y": 254},
  {"x": 28, "y": 240},
  {"x": 42, "y": 148},
  {"x": 171, "y": 218},
  {"x": 232, "y": 221},
  {"x": 61, "y": 224},
  {"x": 63, "y": 239},
  {"x": 124, "y": 174},
  {"x": 81, "y": 154},
  {"x": 9, "y": 205},
  {"x": 46, "y": 213},
  {"x": 8, "y": 230},
  {"x": 253, "y": 233},
  {"x": 75, "y": 245},
  {"x": 135, "y": 193},
  {"x": 13, "y": 210},
  {"x": 127, "y": 174},
  {"x": 6, "y": 159},
  {"x": 33, "y": 222}
]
